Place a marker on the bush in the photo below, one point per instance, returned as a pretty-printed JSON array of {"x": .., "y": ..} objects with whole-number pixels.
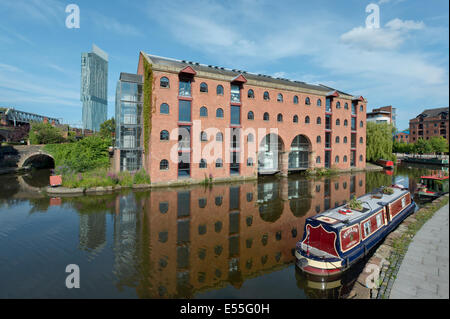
[
  {"x": 45, "y": 133},
  {"x": 141, "y": 177}
]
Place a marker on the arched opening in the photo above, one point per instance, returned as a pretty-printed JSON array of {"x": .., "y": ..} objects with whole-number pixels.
[
  {"x": 39, "y": 161},
  {"x": 299, "y": 154},
  {"x": 269, "y": 156}
]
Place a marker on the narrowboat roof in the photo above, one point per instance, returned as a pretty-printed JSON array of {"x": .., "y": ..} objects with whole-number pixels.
[
  {"x": 372, "y": 202},
  {"x": 435, "y": 177}
]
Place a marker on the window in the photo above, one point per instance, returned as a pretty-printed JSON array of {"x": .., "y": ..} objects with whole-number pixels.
[
  {"x": 203, "y": 136},
  {"x": 250, "y": 137},
  {"x": 203, "y": 87},
  {"x": 250, "y": 115},
  {"x": 164, "y": 108},
  {"x": 328, "y": 122},
  {"x": 337, "y": 139},
  {"x": 338, "y": 105},
  {"x": 250, "y": 161},
  {"x": 328, "y": 105},
  {"x": 235, "y": 93},
  {"x": 219, "y": 137},
  {"x": 403, "y": 202},
  {"x": 266, "y": 116},
  {"x": 218, "y": 202},
  {"x": 336, "y": 159},
  {"x": 202, "y": 163},
  {"x": 219, "y": 90},
  {"x": 346, "y": 106},
  {"x": 361, "y": 108},
  {"x": 338, "y": 122},
  {"x": 203, "y": 111},
  {"x": 360, "y": 140},
  {"x": 307, "y": 119},
  {"x": 219, "y": 113},
  {"x": 319, "y": 139},
  {"x": 360, "y": 158},
  {"x": 280, "y": 117},
  {"x": 361, "y": 124},
  {"x": 280, "y": 97},
  {"x": 164, "y": 165},
  {"x": 295, "y": 99},
  {"x": 345, "y": 158},
  {"x": 164, "y": 135},
  {"x": 266, "y": 96},
  {"x": 235, "y": 115},
  {"x": 163, "y": 207},
  {"x": 379, "y": 222},
  {"x": 307, "y": 101},
  {"x": 184, "y": 111},
  {"x": 318, "y": 160},
  {"x": 367, "y": 228},
  {"x": 345, "y": 123},
  {"x": 345, "y": 139},
  {"x": 353, "y": 123},
  {"x": 184, "y": 165},
  {"x": 164, "y": 82},
  {"x": 251, "y": 94},
  {"x": 295, "y": 119},
  {"x": 185, "y": 88},
  {"x": 319, "y": 120},
  {"x": 319, "y": 102},
  {"x": 219, "y": 163}
]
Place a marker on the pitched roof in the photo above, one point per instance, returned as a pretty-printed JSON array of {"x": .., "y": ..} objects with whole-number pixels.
[{"x": 434, "y": 112}]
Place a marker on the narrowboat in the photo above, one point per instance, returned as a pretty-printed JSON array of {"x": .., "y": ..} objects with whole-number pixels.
[
  {"x": 385, "y": 163},
  {"x": 336, "y": 239},
  {"x": 429, "y": 161},
  {"x": 432, "y": 187}
]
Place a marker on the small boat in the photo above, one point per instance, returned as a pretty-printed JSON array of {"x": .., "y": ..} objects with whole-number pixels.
[
  {"x": 385, "y": 163},
  {"x": 336, "y": 239},
  {"x": 429, "y": 161},
  {"x": 432, "y": 187}
]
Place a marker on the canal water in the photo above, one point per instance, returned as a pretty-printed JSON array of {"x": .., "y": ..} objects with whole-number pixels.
[{"x": 215, "y": 241}]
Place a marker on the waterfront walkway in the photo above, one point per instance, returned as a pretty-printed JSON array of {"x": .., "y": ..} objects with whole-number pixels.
[{"x": 424, "y": 272}]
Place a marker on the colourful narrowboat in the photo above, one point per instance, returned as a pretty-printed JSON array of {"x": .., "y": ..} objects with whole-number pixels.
[
  {"x": 386, "y": 163},
  {"x": 432, "y": 187},
  {"x": 336, "y": 239}
]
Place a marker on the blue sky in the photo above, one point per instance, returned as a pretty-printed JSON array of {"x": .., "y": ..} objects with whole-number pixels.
[{"x": 404, "y": 63}]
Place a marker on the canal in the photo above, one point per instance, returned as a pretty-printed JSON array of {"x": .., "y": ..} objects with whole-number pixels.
[{"x": 215, "y": 241}]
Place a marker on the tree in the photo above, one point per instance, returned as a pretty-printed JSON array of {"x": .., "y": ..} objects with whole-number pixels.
[
  {"x": 45, "y": 133},
  {"x": 438, "y": 144},
  {"x": 422, "y": 146},
  {"x": 108, "y": 128},
  {"x": 379, "y": 141}
]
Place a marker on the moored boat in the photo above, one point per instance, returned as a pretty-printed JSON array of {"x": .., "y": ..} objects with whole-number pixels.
[
  {"x": 336, "y": 239},
  {"x": 432, "y": 186},
  {"x": 385, "y": 163},
  {"x": 429, "y": 161}
]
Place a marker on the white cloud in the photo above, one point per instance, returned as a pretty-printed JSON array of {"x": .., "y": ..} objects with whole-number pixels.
[{"x": 398, "y": 24}]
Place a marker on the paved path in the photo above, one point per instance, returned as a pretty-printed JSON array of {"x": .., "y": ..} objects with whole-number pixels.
[{"x": 424, "y": 272}]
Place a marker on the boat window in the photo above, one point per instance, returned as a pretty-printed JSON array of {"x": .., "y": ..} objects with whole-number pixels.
[
  {"x": 379, "y": 220},
  {"x": 367, "y": 228},
  {"x": 403, "y": 202}
]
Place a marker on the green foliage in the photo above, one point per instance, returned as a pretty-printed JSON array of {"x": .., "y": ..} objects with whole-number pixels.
[
  {"x": 388, "y": 191},
  {"x": 147, "y": 105},
  {"x": 422, "y": 147},
  {"x": 355, "y": 204},
  {"x": 45, "y": 133},
  {"x": 439, "y": 144},
  {"x": 141, "y": 177},
  {"x": 89, "y": 153},
  {"x": 379, "y": 141},
  {"x": 403, "y": 147},
  {"x": 108, "y": 128}
]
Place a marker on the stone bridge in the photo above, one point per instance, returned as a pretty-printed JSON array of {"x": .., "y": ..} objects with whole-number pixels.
[{"x": 26, "y": 155}]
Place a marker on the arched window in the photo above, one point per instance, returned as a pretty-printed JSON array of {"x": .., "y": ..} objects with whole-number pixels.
[
  {"x": 164, "y": 135},
  {"x": 319, "y": 102},
  {"x": 361, "y": 108},
  {"x": 164, "y": 82},
  {"x": 280, "y": 117},
  {"x": 219, "y": 162},
  {"x": 336, "y": 159},
  {"x": 219, "y": 137},
  {"x": 345, "y": 158},
  {"x": 360, "y": 158},
  {"x": 338, "y": 105},
  {"x": 164, "y": 165},
  {"x": 280, "y": 97},
  {"x": 250, "y": 115},
  {"x": 251, "y": 94},
  {"x": 319, "y": 139},
  {"x": 307, "y": 119},
  {"x": 203, "y": 136},
  {"x": 295, "y": 99},
  {"x": 250, "y": 161},
  {"x": 360, "y": 140},
  {"x": 203, "y": 111},
  {"x": 319, "y": 120},
  {"x": 219, "y": 90},
  {"x": 203, "y": 87},
  {"x": 337, "y": 139},
  {"x": 250, "y": 137},
  {"x": 295, "y": 119},
  {"x": 307, "y": 101},
  {"x": 266, "y": 96},
  {"x": 345, "y": 123},
  {"x": 164, "y": 108},
  {"x": 266, "y": 116},
  {"x": 202, "y": 163},
  {"x": 219, "y": 113},
  {"x": 345, "y": 139},
  {"x": 361, "y": 124},
  {"x": 318, "y": 159},
  {"x": 338, "y": 122},
  {"x": 346, "y": 106}
]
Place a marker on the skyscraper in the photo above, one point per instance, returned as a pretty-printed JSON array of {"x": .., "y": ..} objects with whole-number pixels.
[{"x": 94, "y": 88}]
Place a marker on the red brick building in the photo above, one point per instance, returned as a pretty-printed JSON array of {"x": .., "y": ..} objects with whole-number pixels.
[
  {"x": 211, "y": 122},
  {"x": 402, "y": 137},
  {"x": 429, "y": 123}
]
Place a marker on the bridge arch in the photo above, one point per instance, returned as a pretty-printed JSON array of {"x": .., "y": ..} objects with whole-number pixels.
[{"x": 38, "y": 160}]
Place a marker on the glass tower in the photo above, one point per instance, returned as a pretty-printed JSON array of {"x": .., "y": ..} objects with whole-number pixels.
[
  {"x": 94, "y": 84},
  {"x": 128, "y": 121}
]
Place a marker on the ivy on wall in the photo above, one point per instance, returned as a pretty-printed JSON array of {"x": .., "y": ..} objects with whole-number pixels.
[{"x": 147, "y": 107}]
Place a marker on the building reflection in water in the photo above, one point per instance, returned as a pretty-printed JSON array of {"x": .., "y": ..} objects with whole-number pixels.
[{"x": 92, "y": 232}]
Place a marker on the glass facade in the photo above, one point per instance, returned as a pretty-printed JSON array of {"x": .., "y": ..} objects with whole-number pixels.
[{"x": 128, "y": 121}]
